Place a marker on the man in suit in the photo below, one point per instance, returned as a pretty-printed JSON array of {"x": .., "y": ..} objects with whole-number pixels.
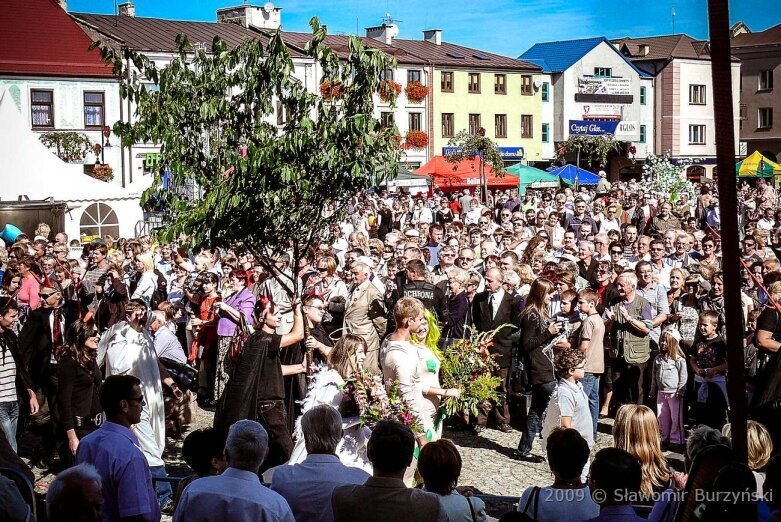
[
  {"x": 41, "y": 343},
  {"x": 364, "y": 314},
  {"x": 490, "y": 309},
  {"x": 384, "y": 496}
]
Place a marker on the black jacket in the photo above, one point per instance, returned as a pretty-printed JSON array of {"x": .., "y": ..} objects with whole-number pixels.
[
  {"x": 534, "y": 337},
  {"x": 509, "y": 312},
  {"x": 9, "y": 347},
  {"x": 35, "y": 344}
]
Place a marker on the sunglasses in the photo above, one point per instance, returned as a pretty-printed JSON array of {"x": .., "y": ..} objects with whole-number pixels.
[{"x": 46, "y": 296}]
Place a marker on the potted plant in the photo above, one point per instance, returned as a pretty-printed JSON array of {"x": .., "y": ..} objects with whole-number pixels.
[
  {"x": 388, "y": 90},
  {"x": 330, "y": 90},
  {"x": 416, "y": 139},
  {"x": 103, "y": 172},
  {"x": 416, "y": 92}
]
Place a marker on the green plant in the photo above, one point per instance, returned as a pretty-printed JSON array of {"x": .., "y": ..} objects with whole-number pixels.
[
  {"x": 261, "y": 188},
  {"x": 389, "y": 90},
  {"x": 102, "y": 172},
  {"x": 592, "y": 149},
  {"x": 660, "y": 174},
  {"x": 70, "y": 146}
]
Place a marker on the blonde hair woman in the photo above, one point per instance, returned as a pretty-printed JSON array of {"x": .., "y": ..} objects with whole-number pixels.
[
  {"x": 146, "y": 279},
  {"x": 636, "y": 431},
  {"x": 344, "y": 359},
  {"x": 760, "y": 449}
]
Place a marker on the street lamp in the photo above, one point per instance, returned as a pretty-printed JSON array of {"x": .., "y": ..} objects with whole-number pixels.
[
  {"x": 104, "y": 143},
  {"x": 483, "y": 179}
]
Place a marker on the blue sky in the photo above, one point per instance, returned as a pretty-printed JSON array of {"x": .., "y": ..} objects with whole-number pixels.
[{"x": 506, "y": 27}]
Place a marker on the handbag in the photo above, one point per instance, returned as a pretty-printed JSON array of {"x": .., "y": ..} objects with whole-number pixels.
[
  {"x": 184, "y": 375},
  {"x": 239, "y": 338}
]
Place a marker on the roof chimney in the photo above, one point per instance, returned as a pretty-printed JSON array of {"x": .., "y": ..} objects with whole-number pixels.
[
  {"x": 127, "y": 9},
  {"x": 63, "y": 4},
  {"x": 644, "y": 49},
  {"x": 433, "y": 36},
  {"x": 384, "y": 33},
  {"x": 260, "y": 17}
]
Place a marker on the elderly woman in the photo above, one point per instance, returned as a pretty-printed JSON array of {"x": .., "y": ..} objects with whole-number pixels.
[
  {"x": 440, "y": 466},
  {"x": 232, "y": 312},
  {"x": 146, "y": 279},
  {"x": 458, "y": 303}
]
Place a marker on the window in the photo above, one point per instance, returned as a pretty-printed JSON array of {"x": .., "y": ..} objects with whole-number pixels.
[
  {"x": 280, "y": 113},
  {"x": 42, "y": 108},
  {"x": 766, "y": 80},
  {"x": 474, "y": 123},
  {"x": 386, "y": 119},
  {"x": 765, "y": 118},
  {"x": 696, "y": 95},
  {"x": 447, "y": 81},
  {"x": 500, "y": 125},
  {"x": 387, "y": 74},
  {"x": 696, "y": 134},
  {"x": 413, "y": 75},
  {"x": 545, "y": 133},
  {"x": 98, "y": 220},
  {"x": 545, "y": 91},
  {"x": 500, "y": 84},
  {"x": 603, "y": 72},
  {"x": 474, "y": 83},
  {"x": 448, "y": 129},
  {"x": 527, "y": 123},
  {"x": 94, "y": 109},
  {"x": 642, "y": 95},
  {"x": 414, "y": 121},
  {"x": 526, "y": 85},
  {"x": 642, "y": 133}
]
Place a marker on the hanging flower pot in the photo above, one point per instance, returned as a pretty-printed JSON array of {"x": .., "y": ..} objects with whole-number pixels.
[
  {"x": 330, "y": 90},
  {"x": 388, "y": 90},
  {"x": 416, "y": 92},
  {"x": 102, "y": 172},
  {"x": 416, "y": 139}
]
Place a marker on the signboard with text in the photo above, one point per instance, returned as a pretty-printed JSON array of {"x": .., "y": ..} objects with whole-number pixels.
[
  {"x": 507, "y": 153},
  {"x": 628, "y": 131},
  {"x": 592, "y": 128},
  {"x": 601, "y": 111},
  {"x": 612, "y": 86}
]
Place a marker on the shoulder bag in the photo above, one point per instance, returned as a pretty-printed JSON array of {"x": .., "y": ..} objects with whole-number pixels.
[
  {"x": 239, "y": 338},
  {"x": 534, "y": 500}
]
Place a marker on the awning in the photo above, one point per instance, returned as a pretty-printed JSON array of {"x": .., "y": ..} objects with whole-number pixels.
[
  {"x": 530, "y": 177},
  {"x": 463, "y": 174},
  {"x": 757, "y": 166},
  {"x": 569, "y": 174}
]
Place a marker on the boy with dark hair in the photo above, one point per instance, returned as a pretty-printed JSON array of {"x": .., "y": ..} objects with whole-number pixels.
[{"x": 708, "y": 360}]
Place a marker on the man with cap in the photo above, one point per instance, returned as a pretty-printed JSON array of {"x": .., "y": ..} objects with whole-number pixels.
[{"x": 603, "y": 185}]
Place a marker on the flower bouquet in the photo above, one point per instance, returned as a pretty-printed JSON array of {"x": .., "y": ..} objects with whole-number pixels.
[
  {"x": 467, "y": 365},
  {"x": 372, "y": 400}
]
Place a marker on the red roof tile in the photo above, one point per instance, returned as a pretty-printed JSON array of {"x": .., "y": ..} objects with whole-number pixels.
[{"x": 38, "y": 38}]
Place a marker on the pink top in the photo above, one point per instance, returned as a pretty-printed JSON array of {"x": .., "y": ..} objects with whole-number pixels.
[{"x": 28, "y": 292}]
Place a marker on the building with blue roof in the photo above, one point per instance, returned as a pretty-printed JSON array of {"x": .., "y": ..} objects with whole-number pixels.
[{"x": 590, "y": 88}]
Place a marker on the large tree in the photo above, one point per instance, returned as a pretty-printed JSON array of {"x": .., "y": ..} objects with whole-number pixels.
[{"x": 214, "y": 116}]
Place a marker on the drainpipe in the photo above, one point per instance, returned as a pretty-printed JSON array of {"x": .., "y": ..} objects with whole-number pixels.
[
  {"x": 121, "y": 145},
  {"x": 129, "y": 118},
  {"x": 430, "y": 110}
]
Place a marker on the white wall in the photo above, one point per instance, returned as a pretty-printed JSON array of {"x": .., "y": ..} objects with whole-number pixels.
[
  {"x": 646, "y": 118},
  {"x": 698, "y": 72},
  {"x": 548, "y": 116}
]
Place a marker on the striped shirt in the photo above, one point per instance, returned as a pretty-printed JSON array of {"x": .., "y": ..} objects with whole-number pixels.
[{"x": 7, "y": 374}]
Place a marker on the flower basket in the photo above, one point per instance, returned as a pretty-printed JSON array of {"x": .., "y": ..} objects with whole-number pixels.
[
  {"x": 388, "y": 90},
  {"x": 416, "y": 92},
  {"x": 102, "y": 172},
  {"x": 467, "y": 365},
  {"x": 372, "y": 400},
  {"x": 330, "y": 90},
  {"x": 416, "y": 139}
]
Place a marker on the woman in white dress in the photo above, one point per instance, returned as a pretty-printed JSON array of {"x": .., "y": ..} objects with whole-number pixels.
[
  {"x": 326, "y": 387},
  {"x": 426, "y": 340}
]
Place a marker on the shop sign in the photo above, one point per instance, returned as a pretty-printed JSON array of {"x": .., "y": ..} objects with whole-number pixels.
[
  {"x": 601, "y": 111},
  {"x": 592, "y": 128},
  {"x": 628, "y": 131},
  {"x": 507, "y": 153},
  {"x": 613, "y": 86}
]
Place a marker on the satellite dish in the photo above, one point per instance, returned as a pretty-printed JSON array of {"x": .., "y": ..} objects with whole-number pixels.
[
  {"x": 538, "y": 83},
  {"x": 268, "y": 7}
]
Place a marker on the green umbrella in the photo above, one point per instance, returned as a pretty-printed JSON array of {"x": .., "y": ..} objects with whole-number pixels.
[{"x": 530, "y": 177}]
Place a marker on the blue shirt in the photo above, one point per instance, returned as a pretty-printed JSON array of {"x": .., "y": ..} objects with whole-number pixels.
[
  {"x": 234, "y": 495},
  {"x": 127, "y": 483},
  {"x": 621, "y": 513},
  {"x": 307, "y": 486}
]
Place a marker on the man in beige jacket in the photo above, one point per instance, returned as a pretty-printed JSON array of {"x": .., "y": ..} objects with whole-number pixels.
[{"x": 365, "y": 314}]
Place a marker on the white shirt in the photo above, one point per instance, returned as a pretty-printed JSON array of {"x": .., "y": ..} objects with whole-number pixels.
[
  {"x": 129, "y": 352},
  {"x": 496, "y": 300}
]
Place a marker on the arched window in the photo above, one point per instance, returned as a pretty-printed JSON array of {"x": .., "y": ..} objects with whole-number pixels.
[
  {"x": 695, "y": 173},
  {"x": 98, "y": 220}
]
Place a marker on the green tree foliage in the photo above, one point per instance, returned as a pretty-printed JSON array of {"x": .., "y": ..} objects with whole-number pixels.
[
  {"x": 468, "y": 146},
  {"x": 594, "y": 150},
  {"x": 214, "y": 116},
  {"x": 70, "y": 146}
]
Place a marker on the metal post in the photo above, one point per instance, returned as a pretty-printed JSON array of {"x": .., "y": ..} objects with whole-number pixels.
[{"x": 721, "y": 69}]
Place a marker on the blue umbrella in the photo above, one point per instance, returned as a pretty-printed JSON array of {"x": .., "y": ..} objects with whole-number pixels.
[{"x": 571, "y": 175}]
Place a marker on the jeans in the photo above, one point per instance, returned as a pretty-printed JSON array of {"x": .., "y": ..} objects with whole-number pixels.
[
  {"x": 9, "y": 415},
  {"x": 541, "y": 394},
  {"x": 590, "y": 384},
  {"x": 162, "y": 488},
  {"x": 272, "y": 415}
]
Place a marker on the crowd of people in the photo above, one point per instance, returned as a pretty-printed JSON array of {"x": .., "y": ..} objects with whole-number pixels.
[{"x": 603, "y": 301}]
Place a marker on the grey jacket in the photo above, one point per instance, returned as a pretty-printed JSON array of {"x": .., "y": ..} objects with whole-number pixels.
[{"x": 669, "y": 375}]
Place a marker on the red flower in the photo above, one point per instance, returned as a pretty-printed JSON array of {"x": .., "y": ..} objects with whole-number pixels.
[
  {"x": 416, "y": 139},
  {"x": 388, "y": 89},
  {"x": 416, "y": 92}
]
